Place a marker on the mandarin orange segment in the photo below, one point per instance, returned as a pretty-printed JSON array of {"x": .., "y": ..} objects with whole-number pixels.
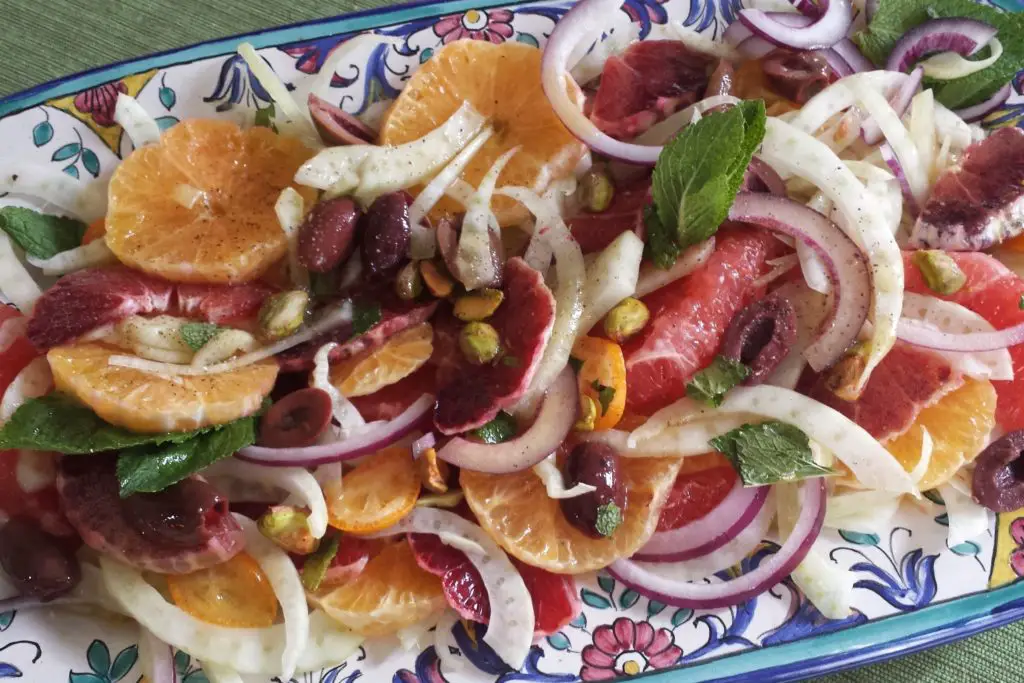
[
  {"x": 958, "y": 424},
  {"x": 381, "y": 490},
  {"x": 390, "y": 594},
  {"x": 235, "y": 593},
  {"x": 402, "y": 355},
  {"x": 148, "y": 403},
  {"x": 603, "y": 370},
  {"x": 199, "y": 206},
  {"x": 503, "y": 83},
  {"x": 517, "y": 512}
]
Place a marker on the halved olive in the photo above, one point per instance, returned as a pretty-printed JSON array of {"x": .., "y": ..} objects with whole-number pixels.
[{"x": 297, "y": 420}]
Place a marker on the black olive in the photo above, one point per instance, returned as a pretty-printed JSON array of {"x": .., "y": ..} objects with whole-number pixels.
[
  {"x": 760, "y": 336},
  {"x": 297, "y": 420},
  {"x": 598, "y": 513},
  {"x": 998, "y": 481},
  {"x": 38, "y": 564},
  {"x": 180, "y": 515}
]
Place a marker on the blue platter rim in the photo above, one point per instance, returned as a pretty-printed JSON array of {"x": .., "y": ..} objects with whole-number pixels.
[{"x": 876, "y": 641}]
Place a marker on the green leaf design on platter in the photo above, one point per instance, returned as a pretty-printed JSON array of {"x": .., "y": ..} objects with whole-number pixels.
[
  {"x": 42, "y": 133},
  {"x": 197, "y": 676},
  {"x": 579, "y": 622},
  {"x": 91, "y": 162},
  {"x": 75, "y": 677},
  {"x": 628, "y": 598},
  {"x": 859, "y": 538},
  {"x": 71, "y": 170},
  {"x": 7, "y": 617},
  {"x": 527, "y": 39},
  {"x": 654, "y": 608},
  {"x": 123, "y": 662},
  {"x": 559, "y": 641},
  {"x": 98, "y": 656},
  {"x": 167, "y": 97},
  {"x": 165, "y": 122},
  {"x": 681, "y": 616},
  {"x": 966, "y": 549},
  {"x": 181, "y": 662},
  {"x": 68, "y": 151},
  {"x": 595, "y": 600},
  {"x": 943, "y": 519},
  {"x": 606, "y": 583}
]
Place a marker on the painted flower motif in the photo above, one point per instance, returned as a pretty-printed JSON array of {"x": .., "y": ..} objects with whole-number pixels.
[
  {"x": 1017, "y": 556},
  {"x": 236, "y": 84},
  {"x": 100, "y": 102},
  {"x": 628, "y": 648},
  {"x": 650, "y": 12},
  {"x": 493, "y": 25}
]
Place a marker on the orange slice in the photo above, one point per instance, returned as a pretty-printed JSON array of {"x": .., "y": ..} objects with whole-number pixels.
[
  {"x": 516, "y": 511},
  {"x": 603, "y": 369},
  {"x": 148, "y": 403},
  {"x": 503, "y": 83},
  {"x": 377, "y": 493},
  {"x": 402, "y": 355},
  {"x": 235, "y": 593},
  {"x": 390, "y": 594},
  {"x": 199, "y": 206},
  {"x": 959, "y": 425}
]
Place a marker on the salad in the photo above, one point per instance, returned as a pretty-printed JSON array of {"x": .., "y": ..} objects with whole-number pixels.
[{"x": 615, "y": 304}]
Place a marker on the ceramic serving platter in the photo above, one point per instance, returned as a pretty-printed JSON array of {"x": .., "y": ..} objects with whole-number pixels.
[{"x": 912, "y": 590}]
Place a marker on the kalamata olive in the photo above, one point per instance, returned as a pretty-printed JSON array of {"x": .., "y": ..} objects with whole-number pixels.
[
  {"x": 598, "y": 513},
  {"x": 327, "y": 236},
  {"x": 998, "y": 481},
  {"x": 296, "y": 420},
  {"x": 180, "y": 515},
  {"x": 760, "y": 336},
  {"x": 39, "y": 565},
  {"x": 337, "y": 126},
  {"x": 720, "y": 82},
  {"x": 798, "y": 76},
  {"x": 386, "y": 234}
]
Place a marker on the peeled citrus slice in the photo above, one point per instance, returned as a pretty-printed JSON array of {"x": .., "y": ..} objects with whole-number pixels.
[
  {"x": 390, "y": 594},
  {"x": 148, "y": 403},
  {"x": 516, "y": 511},
  {"x": 235, "y": 594},
  {"x": 377, "y": 493},
  {"x": 199, "y": 206},
  {"x": 503, "y": 83},
  {"x": 402, "y": 355},
  {"x": 959, "y": 425}
]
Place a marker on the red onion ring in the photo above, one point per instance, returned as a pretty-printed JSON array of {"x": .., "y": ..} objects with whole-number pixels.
[
  {"x": 157, "y": 659},
  {"x": 369, "y": 441},
  {"x": 709, "y": 533},
  {"x": 845, "y": 265},
  {"x": 963, "y": 36},
  {"x": 767, "y": 175},
  {"x": 771, "y": 571},
  {"x": 900, "y": 101},
  {"x": 920, "y": 334},
  {"x": 422, "y": 444},
  {"x": 825, "y": 31},
  {"x": 893, "y": 162},
  {"x": 836, "y": 62},
  {"x": 582, "y": 20},
  {"x": 554, "y": 420},
  {"x": 852, "y": 56},
  {"x": 978, "y": 111}
]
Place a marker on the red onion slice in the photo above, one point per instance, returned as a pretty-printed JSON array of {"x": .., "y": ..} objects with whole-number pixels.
[
  {"x": 836, "y": 62},
  {"x": 584, "y": 19},
  {"x": 922, "y": 334},
  {"x": 963, "y": 36},
  {"x": 554, "y": 419},
  {"x": 369, "y": 441},
  {"x": 893, "y": 162},
  {"x": 709, "y": 533},
  {"x": 900, "y": 102},
  {"x": 768, "y": 176},
  {"x": 825, "y": 31},
  {"x": 852, "y": 56},
  {"x": 771, "y": 571},
  {"x": 338, "y": 127},
  {"x": 845, "y": 265},
  {"x": 156, "y": 658},
  {"x": 982, "y": 109}
]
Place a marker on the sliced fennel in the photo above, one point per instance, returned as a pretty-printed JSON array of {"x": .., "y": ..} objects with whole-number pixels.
[
  {"x": 898, "y": 138},
  {"x": 652, "y": 278},
  {"x": 85, "y": 201},
  {"x": 945, "y": 66},
  {"x": 370, "y": 171},
  {"x": 294, "y": 119},
  {"x": 297, "y": 481},
  {"x": 96, "y": 253},
  {"x": 34, "y": 380},
  {"x": 967, "y": 519},
  {"x": 291, "y": 209},
  {"x": 16, "y": 285},
  {"x": 476, "y": 264},
  {"x": 141, "y": 128},
  {"x": 554, "y": 484},
  {"x": 611, "y": 278},
  {"x": 343, "y": 410}
]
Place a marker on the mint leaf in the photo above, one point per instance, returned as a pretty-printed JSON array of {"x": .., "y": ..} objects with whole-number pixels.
[
  {"x": 151, "y": 468},
  {"x": 500, "y": 429},
  {"x": 710, "y": 385},
  {"x": 893, "y": 19},
  {"x": 364, "y": 317},
  {"x": 197, "y": 335},
  {"x": 609, "y": 517},
  {"x": 265, "y": 117},
  {"x": 697, "y": 177},
  {"x": 56, "y": 423},
  {"x": 40, "y": 235},
  {"x": 605, "y": 395},
  {"x": 314, "y": 568},
  {"x": 576, "y": 364},
  {"x": 768, "y": 453}
]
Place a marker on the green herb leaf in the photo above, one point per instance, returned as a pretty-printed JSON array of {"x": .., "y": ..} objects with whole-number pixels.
[
  {"x": 576, "y": 364},
  {"x": 609, "y": 517},
  {"x": 1020, "y": 304},
  {"x": 265, "y": 117},
  {"x": 768, "y": 453},
  {"x": 314, "y": 569},
  {"x": 605, "y": 395},
  {"x": 40, "y": 235},
  {"x": 710, "y": 385},
  {"x": 893, "y": 19},
  {"x": 501, "y": 428},
  {"x": 364, "y": 317},
  {"x": 323, "y": 285},
  {"x": 510, "y": 361},
  {"x": 197, "y": 335},
  {"x": 697, "y": 177},
  {"x": 151, "y": 468}
]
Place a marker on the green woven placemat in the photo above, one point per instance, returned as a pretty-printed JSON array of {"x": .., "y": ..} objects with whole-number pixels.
[{"x": 45, "y": 39}]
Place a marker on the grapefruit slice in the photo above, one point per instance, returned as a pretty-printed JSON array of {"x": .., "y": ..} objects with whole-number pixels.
[
  {"x": 503, "y": 83},
  {"x": 199, "y": 206},
  {"x": 689, "y": 318}
]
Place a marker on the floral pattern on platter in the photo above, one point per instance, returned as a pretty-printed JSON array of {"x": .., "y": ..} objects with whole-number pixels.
[{"x": 620, "y": 633}]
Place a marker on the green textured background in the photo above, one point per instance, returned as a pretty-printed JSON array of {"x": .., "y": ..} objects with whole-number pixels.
[{"x": 45, "y": 39}]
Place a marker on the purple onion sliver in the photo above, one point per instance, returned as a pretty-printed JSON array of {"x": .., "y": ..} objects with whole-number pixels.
[
  {"x": 963, "y": 36},
  {"x": 422, "y": 444},
  {"x": 839, "y": 66},
  {"x": 700, "y": 595},
  {"x": 919, "y": 334},
  {"x": 899, "y": 101},
  {"x": 755, "y": 48},
  {"x": 893, "y": 162},
  {"x": 979, "y": 111},
  {"x": 825, "y": 31},
  {"x": 768, "y": 176},
  {"x": 852, "y": 56}
]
